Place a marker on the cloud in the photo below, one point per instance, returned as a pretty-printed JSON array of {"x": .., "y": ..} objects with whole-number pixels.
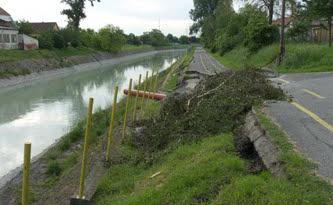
[{"x": 134, "y": 16}]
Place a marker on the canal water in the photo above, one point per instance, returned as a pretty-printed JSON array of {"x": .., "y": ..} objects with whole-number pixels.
[{"x": 44, "y": 111}]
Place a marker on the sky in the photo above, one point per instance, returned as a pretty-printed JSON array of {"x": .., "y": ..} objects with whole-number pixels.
[{"x": 133, "y": 16}]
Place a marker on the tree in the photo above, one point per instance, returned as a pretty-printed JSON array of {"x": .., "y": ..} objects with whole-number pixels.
[
  {"x": 75, "y": 13},
  {"x": 111, "y": 39},
  {"x": 133, "y": 40},
  {"x": 157, "y": 38},
  {"x": 170, "y": 38},
  {"x": 24, "y": 27},
  {"x": 324, "y": 9},
  {"x": 184, "y": 40},
  {"x": 203, "y": 9}
]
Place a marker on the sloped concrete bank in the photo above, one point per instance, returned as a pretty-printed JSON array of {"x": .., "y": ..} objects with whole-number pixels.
[
  {"x": 252, "y": 134},
  {"x": 50, "y": 68}
]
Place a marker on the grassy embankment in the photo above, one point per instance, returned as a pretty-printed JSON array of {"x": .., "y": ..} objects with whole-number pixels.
[
  {"x": 18, "y": 55},
  {"x": 207, "y": 169},
  {"x": 305, "y": 57}
]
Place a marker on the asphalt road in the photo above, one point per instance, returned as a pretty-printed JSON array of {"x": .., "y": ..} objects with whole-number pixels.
[
  {"x": 204, "y": 64},
  {"x": 308, "y": 120}
]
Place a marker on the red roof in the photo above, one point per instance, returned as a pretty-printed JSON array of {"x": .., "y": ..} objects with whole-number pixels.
[
  {"x": 278, "y": 22},
  {"x": 42, "y": 27},
  {"x": 3, "y": 12}
]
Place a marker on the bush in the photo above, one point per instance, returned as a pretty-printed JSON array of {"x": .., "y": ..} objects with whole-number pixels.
[
  {"x": 299, "y": 31},
  {"x": 46, "y": 40},
  {"x": 71, "y": 37},
  {"x": 54, "y": 168},
  {"x": 257, "y": 32},
  {"x": 59, "y": 41},
  {"x": 262, "y": 36}
]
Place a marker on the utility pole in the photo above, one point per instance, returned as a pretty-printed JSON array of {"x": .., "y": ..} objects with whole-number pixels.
[{"x": 282, "y": 38}]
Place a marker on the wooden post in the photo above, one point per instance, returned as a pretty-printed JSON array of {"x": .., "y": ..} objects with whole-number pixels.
[
  {"x": 26, "y": 173},
  {"x": 145, "y": 90},
  {"x": 151, "y": 86},
  {"x": 126, "y": 109},
  {"x": 156, "y": 82},
  {"x": 113, "y": 113},
  {"x": 136, "y": 99},
  {"x": 85, "y": 147}
]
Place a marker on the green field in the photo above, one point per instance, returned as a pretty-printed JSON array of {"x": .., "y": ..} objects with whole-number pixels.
[{"x": 300, "y": 57}]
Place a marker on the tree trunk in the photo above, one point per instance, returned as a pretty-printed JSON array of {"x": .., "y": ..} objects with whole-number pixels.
[
  {"x": 330, "y": 31},
  {"x": 271, "y": 12},
  {"x": 282, "y": 40}
]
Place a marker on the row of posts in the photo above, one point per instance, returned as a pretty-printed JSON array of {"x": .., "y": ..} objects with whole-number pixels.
[{"x": 152, "y": 84}]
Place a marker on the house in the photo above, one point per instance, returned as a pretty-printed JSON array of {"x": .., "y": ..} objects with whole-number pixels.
[
  {"x": 318, "y": 30},
  {"x": 8, "y": 31},
  {"x": 287, "y": 20},
  {"x": 42, "y": 27}
]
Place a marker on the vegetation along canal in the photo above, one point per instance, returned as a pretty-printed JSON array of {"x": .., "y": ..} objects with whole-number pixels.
[{"x": 42, "y": 112}]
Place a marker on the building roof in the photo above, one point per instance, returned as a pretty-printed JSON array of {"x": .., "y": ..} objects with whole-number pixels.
[
  {"x": 3, "y": 12},
  {"x": 41, "y": 27},
  {"x": 278, "y": 22},
  {"x": 6, "y": 21}
]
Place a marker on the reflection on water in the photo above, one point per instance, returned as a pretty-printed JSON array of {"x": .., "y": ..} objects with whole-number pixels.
[{"x": 44, "y": 111}]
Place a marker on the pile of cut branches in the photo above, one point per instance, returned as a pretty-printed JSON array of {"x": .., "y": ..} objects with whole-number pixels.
[{"x": 218, "y": 105}]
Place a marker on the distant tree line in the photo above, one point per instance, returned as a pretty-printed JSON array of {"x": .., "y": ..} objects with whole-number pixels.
[{"x": 109, "y": 38}]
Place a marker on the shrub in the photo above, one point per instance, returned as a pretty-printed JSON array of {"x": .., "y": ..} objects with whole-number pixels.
[
  {"x": 46, "y": 40},
  {"x": 54, "y": 168},
  {"x": 59, "y": 41},
  {"x": 299, "y": 31},
  {"x": 262, "y": 36},
  {"x": 71, "y": 37}
]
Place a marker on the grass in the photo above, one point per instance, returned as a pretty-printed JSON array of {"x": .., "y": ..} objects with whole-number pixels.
[
  {"x": 307, "y": 58},
  {"x": 300, "y": 57},
  {"x": 129, "y": 47},
  {"x": 209, "y": 171},
  {"x": 188, "y": 175},
  {"x": 205, "y": 172},
  {"x": 17, "y": 55}
]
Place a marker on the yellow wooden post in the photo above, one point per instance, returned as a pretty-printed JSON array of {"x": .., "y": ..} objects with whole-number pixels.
[
  {"x": 26, "y": 170},
  {"x": 136, "y": 99},
  {"x": 85, "y": 147},
  {"x": 151, "y": 86},
  {"x": 144, "y": 92},
  {"x": 126, "y": 109},
  {"x": 113, "y": 113},
  {"x": 156, "y": 82}
]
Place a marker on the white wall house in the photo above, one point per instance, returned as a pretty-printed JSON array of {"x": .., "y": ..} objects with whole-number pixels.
[{"x": 8, "y": 31}]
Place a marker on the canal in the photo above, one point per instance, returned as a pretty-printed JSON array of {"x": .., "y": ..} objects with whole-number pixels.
[{"x": 44, "y": 111}]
